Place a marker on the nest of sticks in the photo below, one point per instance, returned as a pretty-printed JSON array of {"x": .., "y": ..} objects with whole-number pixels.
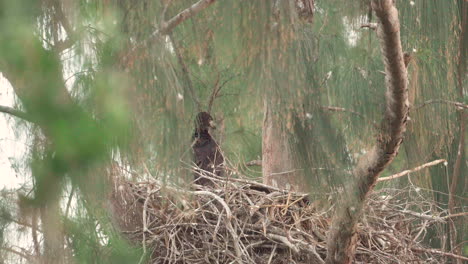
[{"x": 243, "y": 221}]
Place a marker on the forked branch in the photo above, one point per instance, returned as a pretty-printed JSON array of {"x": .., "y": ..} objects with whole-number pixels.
[{"x": 342, "y": 240}]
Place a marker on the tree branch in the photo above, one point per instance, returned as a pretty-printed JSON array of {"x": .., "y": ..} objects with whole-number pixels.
[
  {"x": 27, "y": 257},
  {"x": 216, "y": 89},
  {"x": 406, "y": 172},
  {"x": 70, "y": 40},
  {"x": 168, "y": 26},
  {"x": 185, "y": 72},
  {"x": 342, "y": 239},
  {"x": 16, "y": 113},
  {"x": 434, "y": 101}
]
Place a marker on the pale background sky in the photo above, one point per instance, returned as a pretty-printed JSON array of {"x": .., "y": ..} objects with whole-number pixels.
[{"x": 13, "y": 144}]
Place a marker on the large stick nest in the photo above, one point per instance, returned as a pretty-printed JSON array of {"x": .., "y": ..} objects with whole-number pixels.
[{"x": 241, "y": 221}]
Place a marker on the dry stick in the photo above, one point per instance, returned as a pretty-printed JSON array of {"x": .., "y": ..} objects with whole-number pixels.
[
  {"x": 433, "y": 101},
  {"x": 228, "y": 221},
  {"x": 185, "y": 72},
  {"x": 215, "y": 177},
  {"x": 145, "y": 224},
  {"x": 406, "y": 172},
  {"x": 273, "y": 252},
  {"x": 254, "y": 163},
  {"x": 438, "y": 252},
  {"x": 454, "y": 215},
  {"x": 341, "y": 109}
]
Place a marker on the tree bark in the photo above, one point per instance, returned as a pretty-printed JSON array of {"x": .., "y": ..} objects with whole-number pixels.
[
  {"x": 277, "y": 160},
  {"x": 53, "y": 233},
  {"x": 462, "y": 116},
  {"x": 342, "y": 239}
]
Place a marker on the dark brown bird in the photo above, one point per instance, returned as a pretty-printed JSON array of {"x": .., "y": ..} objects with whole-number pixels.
[{"x": 207, "y": 155}]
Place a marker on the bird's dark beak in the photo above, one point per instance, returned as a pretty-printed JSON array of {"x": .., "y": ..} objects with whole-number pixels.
[{"x": 212, "y": 124}]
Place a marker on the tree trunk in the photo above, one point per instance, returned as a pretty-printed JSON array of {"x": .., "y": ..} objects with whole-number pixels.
[
  {"x": 457, "y": 179},
  {"x": 342, "y": 239},
  {"x": 277, "y": 160},
  {"x": 53, "y": 233}
]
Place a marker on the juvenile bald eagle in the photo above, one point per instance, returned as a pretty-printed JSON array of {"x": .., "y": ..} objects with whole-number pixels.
[{"x": 207, "y": 155}]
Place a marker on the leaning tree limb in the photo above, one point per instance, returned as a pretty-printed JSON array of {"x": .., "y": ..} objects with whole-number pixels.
[
  {"x": 168, "y": 26},
  {"x": 15, "y": 112},
  {"x": 342, "y": 238}
]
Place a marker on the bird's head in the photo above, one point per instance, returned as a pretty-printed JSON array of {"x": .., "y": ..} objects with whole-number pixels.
[{"x": 203, "y": 121}]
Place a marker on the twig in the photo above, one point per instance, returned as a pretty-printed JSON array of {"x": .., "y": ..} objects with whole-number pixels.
[
  {"x": 434, "y": 101},
  {"x": 285, "y": 241},
  {"x": 406, "y": 172},
  {"x": 254, "y": 163},
  {"x": 70, "y": 40},
  {"x": 372, "y": 26},
  {"x": 341, "y": 109},
  {"x": 454, "y": 215},
  {"x": 438, "y": 252},
  {"x": 168, "y": 26},
  {"x": 185, "y": 72},
  {"x": 216, "y": 89},
  {"x": 228, "y": 221},
  {"x": 273, "y": 252},
  {"x": 17, "y": 253},
  {"x": 72, "y": 192}
]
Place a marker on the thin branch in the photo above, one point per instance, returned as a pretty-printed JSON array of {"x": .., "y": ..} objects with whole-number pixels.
[
  {"x": 34, "y": 232},
  {"x": 70, "y": 197},
  {"x": 372, "y": 26},
  {"x": 15, "y": 112},
  {"x": 228, "y": 221},
  {"x": 341, "y": 109},
  {"x": 17, "y": 253},
  {"x": 168, "y": 26},
  {"x": 216, "y": 89},
  {"x": 455, "y": 215},
  {"x": 406, "y": 172},
  {"x": 185, "y": 72},
  {"x": 439, "y": 252},
  {"x": 254, "y": 163},
  {"x": 70, "y": 40},
  {"x": 435, "y": 101}
]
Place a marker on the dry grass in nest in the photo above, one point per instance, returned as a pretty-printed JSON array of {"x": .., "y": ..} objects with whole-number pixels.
[{"x": 242, "y": 221}]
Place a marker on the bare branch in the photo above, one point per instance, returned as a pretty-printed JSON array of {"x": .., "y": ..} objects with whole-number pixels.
[
  {"x": 406, "y": 172},
  {"x": 439, "y": 252},
  {"x": 434, "y": 101},
  {"x": 341, "y": 109},
  {"x": 15, "y": 112},
  {"x": 27, "y": 257},
  {"x": 70, "y": 40},
  {"x": 185, "y": 72},
  {"x": 168, "y": 26},
  {"x": 216, "y": 89},
  {"x": 254, "y": 163},
  {"x": 372, "y": 26}
]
